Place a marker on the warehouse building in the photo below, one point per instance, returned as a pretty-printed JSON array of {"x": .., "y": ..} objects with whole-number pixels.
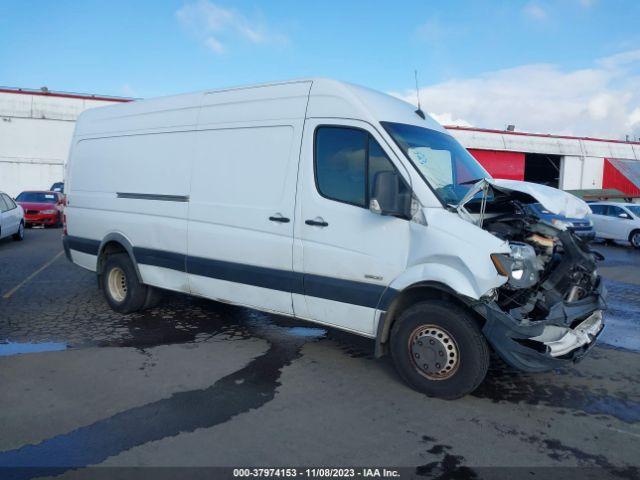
[{"x": 36, "y": 127}]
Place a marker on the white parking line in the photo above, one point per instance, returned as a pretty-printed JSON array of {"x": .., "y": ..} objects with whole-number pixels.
[{"x": 30, "y": 277}]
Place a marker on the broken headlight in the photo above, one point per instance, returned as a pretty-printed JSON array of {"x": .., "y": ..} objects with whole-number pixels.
[{"x": 521, "y": 266}]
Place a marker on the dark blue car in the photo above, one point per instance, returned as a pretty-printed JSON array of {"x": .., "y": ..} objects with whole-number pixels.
[{"x": 583, "y": 227}]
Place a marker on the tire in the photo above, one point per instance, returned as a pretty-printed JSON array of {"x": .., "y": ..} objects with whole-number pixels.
[
  {"x": 447, "y": 333},
  {"x": 19, "y": 235},
  {"x": 122, "y": 289},
  {"x": 634, "y": 238}
]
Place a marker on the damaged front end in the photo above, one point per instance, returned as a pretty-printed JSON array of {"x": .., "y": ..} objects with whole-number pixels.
[{"x": 549, "y": 310}]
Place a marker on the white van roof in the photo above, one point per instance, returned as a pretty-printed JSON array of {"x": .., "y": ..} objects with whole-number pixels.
[{"x": 316, "y": 98}]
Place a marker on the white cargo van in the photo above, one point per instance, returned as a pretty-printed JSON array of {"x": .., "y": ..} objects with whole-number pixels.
[{"x": 335, "y": 204}]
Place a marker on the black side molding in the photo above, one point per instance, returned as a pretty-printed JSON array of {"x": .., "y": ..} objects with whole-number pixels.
[{"x": 154, "y": 196}]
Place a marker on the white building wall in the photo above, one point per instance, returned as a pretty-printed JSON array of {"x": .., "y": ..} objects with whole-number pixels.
[
  {"x": 35, "y": 135},
  {"x": 579, "y": 172}
]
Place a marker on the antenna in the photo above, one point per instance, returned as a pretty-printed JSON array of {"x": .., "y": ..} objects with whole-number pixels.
[{"x": 419, "y": 111}]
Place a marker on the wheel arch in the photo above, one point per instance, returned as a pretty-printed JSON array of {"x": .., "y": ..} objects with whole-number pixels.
[
  {"x": 115, "y": 242},
  {"x": 631, "y": 234},
  {"x": 418, "y": 292}
]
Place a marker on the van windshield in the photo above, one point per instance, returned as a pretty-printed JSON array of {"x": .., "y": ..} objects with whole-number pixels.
[{"x": 442, "y": 162}]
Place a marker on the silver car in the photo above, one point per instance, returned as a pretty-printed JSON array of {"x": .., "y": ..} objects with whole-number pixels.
[
  {"x": 617, "y": 221},
  {"x": 11, "y": 218}
]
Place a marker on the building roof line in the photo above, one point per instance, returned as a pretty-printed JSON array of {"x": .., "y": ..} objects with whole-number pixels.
[
  {"x": 109, "y": 98},
  {"x": 544, "y": 135},
  {"x": 48, "y": 93}
]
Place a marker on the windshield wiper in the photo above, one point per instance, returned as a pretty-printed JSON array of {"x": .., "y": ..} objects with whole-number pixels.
[{"x": 469, "y": 182}]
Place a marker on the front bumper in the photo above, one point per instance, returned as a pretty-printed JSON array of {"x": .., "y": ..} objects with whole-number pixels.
[
  {"x": 586, "y": 235},
  {"x": 42, "y": 219},
  {"x": 566, "y": 336}
]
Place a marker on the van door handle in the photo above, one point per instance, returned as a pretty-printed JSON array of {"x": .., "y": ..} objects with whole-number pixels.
[
  {"x": 317, "y": 223},
  {"x": 279, "y": 218}
]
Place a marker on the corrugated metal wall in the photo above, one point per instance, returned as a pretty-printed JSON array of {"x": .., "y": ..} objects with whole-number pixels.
[
  {"x": 509, "y": 165},
  {"x": 622, "y": 175}
]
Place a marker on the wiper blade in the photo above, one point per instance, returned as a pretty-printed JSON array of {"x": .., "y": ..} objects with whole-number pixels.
[{"x": 470, "y": 182}]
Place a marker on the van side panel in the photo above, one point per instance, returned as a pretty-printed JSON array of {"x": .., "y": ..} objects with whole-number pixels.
[
  {"x": 137, "y": 185},
  {"x": 244, "y": 176},
  {"x": 241, "y": 177}
]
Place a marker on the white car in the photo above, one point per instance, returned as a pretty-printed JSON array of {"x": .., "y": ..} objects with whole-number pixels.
[
  {"x": 336, "y": 204},
  {"x": 617, "y": 221},
  {"x": 11, "y": 218}
]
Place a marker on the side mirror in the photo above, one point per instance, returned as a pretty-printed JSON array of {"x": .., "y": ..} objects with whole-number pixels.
[
  {"x": 623, "y": 215},
  {"x": 387, "y": 198}
]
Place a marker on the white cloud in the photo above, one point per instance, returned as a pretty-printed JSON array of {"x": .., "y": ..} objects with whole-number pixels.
[
  {"x": 432, "y": 31},
  {"x": 534, "y": 11},
  {"x": 217, "y": 27},
  {"x": 602, "y": 101}
]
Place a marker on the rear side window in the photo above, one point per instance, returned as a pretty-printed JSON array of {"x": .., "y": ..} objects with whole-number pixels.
[{"x": 347, "y": 161}]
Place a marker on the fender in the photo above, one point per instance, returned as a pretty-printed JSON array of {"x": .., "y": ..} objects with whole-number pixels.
[
  {"x": 448, "y": 274},
  {"x": 126, "y": 244}
]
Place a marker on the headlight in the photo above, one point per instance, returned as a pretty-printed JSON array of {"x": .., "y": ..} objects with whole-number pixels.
[
  {"x": 521, "y": 266},
  {"x": 502, "y": 263},
  {"x": 47, "y": 212}
]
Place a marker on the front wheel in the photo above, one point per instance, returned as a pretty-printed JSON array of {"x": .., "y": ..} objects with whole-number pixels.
[
  {"x": 634, "y": 238},
  {"x": 19, "y": 235},
  {"x": 120, "y": 284},
  {"x": 439, "y": 350}
]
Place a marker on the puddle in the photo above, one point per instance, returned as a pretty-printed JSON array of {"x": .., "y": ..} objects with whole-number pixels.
[
  {"x": 622, "y": 318},
  {"x": 10, "y": 348},
  {"x": 504, "y": 384},
  {"x": 244, "y": 390}
]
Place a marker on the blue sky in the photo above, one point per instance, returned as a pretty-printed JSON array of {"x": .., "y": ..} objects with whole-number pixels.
[{"x": 567, "y": 66}]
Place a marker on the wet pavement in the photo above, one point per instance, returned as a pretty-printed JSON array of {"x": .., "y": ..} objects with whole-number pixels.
[{"x": 199, "y": 383}]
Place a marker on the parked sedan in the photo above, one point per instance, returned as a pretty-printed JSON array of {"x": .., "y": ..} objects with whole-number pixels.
[
  {"x": 42, "y": 208},
  {"x": 583, "y": 227},
  {"x": 57, "y": 187},
  {"x": 617, "y": 221},
  {"x": 11, "y": 218}
]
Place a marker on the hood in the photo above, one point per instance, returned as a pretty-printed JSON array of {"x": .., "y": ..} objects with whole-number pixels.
[
  {"x": 38, "y": 205},
  {"x": 554, "y": 200}
]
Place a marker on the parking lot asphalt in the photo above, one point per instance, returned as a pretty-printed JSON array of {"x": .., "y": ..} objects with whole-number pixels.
[{"x": 199, "y": 383}]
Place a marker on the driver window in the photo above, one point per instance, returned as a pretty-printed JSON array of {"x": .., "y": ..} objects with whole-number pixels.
[{"x": 615, "y": 211}]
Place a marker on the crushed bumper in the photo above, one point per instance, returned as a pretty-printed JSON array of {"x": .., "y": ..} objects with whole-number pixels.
[{"x": 564, "y": 337}]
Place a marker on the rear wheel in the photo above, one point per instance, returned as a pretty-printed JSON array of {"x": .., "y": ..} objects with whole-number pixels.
[
  {"x": 439, "y": 350},
  {"x": 120, "y": 284},
  {"x": 19, "y": 235},
  {"x": 634, "y": 238}
]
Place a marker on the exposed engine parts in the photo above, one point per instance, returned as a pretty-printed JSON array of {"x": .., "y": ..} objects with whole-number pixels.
[{"x": 548, "y": 268}]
